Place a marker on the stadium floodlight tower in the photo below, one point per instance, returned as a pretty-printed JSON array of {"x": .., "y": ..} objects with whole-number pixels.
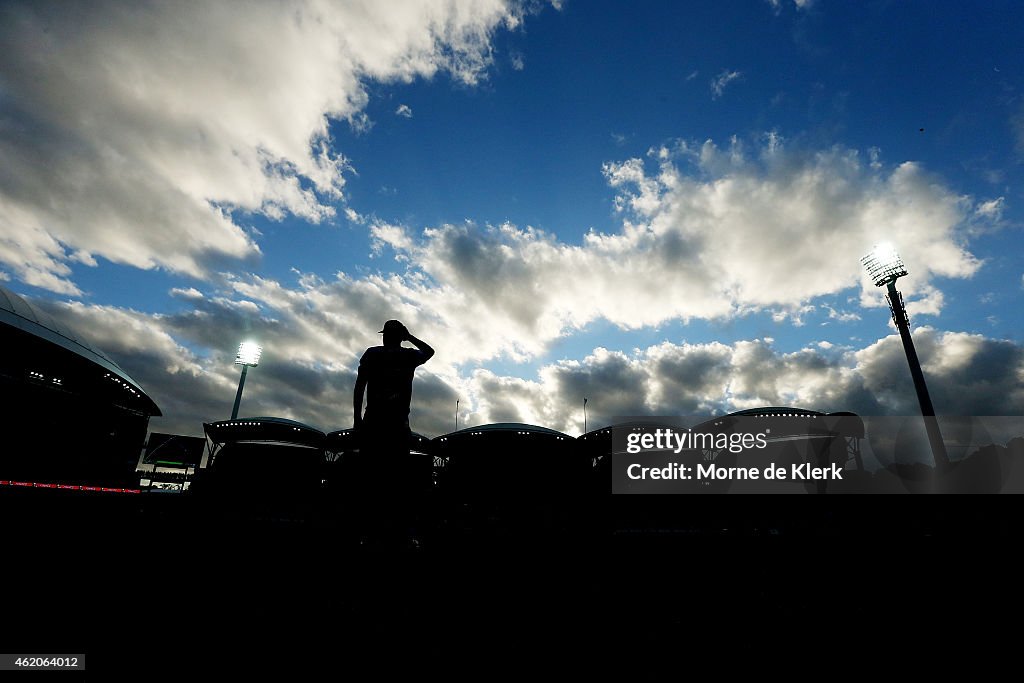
[
  {"x": 885, "y": 266},
  {"x": 248, "y": 357}
]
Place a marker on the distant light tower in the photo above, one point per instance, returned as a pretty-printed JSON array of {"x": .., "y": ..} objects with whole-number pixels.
[
  {"x": 248, "y": 357},
  {"x": 457, "y": 414},
  {"x": 885, "y": 266},
  {"x": 584, "y": 414}
]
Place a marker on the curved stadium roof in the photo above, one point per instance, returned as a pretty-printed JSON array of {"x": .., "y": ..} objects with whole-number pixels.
[
  {"x": 505, "y": 427},
  {"x": 20, "y": 314},
  {"x": 279, "y": 429}
]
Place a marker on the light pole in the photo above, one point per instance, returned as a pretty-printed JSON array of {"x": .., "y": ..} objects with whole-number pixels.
[
  {"x": 248, "y": 357},
  {"x": 456, "y": 414},
  {"x": 885, "y": 266},
  {"x": 584, "y": 414}
]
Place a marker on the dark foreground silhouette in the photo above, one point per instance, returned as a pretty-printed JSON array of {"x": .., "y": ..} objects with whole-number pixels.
[
  {"x": 141, "y": 587},
  {"x": 507, "y": 575}
]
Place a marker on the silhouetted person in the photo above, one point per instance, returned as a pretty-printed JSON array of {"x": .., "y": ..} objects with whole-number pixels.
[
  {"x": 385, "y": 376},
  {"x": 385, "y": 373}
]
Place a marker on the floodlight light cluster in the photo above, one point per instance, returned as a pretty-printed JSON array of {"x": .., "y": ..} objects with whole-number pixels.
[
  {"x": 884, "y": 264},
  {"x": 248, "y": 354}
]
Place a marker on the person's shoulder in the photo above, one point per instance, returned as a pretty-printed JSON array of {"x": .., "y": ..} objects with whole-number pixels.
[
  {"x": 371, "y": 353},
  {"x": 415, "y": 355}
]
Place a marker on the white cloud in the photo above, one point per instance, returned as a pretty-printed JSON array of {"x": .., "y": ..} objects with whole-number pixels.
[
  {"x": 719, "y": 82},
  {"x": 190, "y": 293},
  {"x": 991, "y": 209},
  {"x": 707, "y": 233},
  {"x": 842, "y": 316},
  {"x": 384, "y": 234},
  {"x": 518, "y": 63},
  {"x": 132, "y": 131},
  {"x": 360, "y": 123},
  {"x": 404, "y": 111},
  {"x": 798, "y": 4},
  {"x": 354, "y": 216},
  {"x": 773, "y": 225},
  {"x": 875, "y": 155}
]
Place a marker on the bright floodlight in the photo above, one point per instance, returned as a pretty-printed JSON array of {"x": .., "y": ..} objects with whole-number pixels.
[
  {"x": 884, "y": 264},
  {"x": 248, "y": 354}
]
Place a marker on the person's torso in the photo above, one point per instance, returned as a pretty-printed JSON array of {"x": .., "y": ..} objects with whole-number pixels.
[{"x": 389, "y": 373}]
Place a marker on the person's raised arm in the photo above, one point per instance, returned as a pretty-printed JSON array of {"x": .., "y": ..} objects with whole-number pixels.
[
  {"x": 423, "y": 346},
  {"x": 357, "y": 399}
]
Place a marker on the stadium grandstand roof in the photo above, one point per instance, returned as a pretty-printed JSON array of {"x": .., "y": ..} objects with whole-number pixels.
[
  {"x": 847, "y": 424},
  {"x": 774, "y": 411},
  {"x": 506, "y": 427},
  {"x": 843, "y": 423},
  {"x": 350, "y": 432},
  {"x": 279, "y": 429},
  {"x": 18, "y": 313}
]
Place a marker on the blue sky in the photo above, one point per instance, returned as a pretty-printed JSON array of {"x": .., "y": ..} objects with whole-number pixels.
[{"x": 658, "y": 205}]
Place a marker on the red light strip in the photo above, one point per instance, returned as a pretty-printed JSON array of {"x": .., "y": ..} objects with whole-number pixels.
[{"x": 71, "y": 487}]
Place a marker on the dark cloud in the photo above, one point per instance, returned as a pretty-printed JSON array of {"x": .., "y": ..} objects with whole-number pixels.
[
  {"x": 611, "y": 382},
  {"x": 431, "y": 395},
  {"x": 307, "y": 375}
]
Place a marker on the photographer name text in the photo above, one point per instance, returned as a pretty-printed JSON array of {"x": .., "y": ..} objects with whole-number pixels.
[{"x": 679, "y": 471}]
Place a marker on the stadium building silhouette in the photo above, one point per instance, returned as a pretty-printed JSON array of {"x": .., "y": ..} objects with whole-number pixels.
[{"x": 71, "y": 415}]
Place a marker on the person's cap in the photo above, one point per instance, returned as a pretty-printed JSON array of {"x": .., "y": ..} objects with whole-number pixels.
[{"x": 392, "y": 326}]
